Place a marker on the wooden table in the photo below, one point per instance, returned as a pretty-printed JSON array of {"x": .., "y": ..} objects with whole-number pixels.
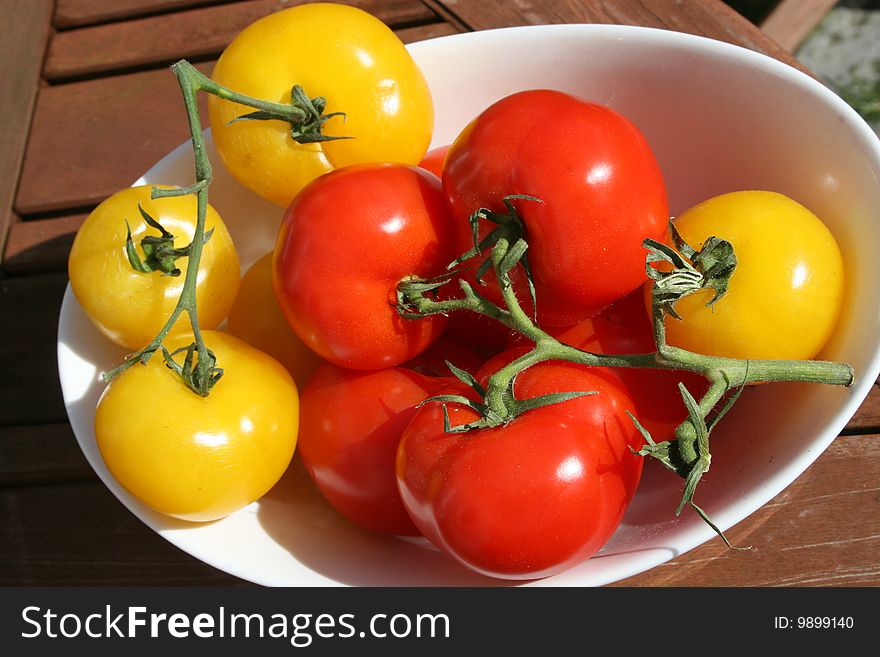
[{"x": 88, "y": 105}]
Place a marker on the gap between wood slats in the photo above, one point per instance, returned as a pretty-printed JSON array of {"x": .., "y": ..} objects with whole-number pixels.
[
  {"x": 710, "y": 18},
  {"x": 40, "y": 245},
  {"x": 80, "y": 13},
  {"x": 196, "y": 33},
  {"x": 91, "y": 138}
]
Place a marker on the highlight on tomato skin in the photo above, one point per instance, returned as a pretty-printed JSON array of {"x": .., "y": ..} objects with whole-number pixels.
[
  {"x": 200, "y": 458},
  {"x": 786, "y": 293},
  {"x": 599, "y": 190},
  {"x": 531, "y": 498},
  {"x": 344, "y": 245},
  {"x": 127, "y": 306},
  {"x": 362, "y": 69}
]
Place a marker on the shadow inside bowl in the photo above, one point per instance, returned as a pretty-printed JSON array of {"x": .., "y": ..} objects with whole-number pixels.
[{"x": 297, "y": 517}]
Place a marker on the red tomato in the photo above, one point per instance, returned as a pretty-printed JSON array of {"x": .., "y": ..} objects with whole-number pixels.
[
  {"x": 432, "y": 361},
  {"x": 601, "y": 189},
  {"x": 350, "y": 425},
  {"x": 531, "y": 498},
  {"x": 624, "y": 328},
  {"x": 433, "y": 160},
  {"x": 345, "y": 242}
]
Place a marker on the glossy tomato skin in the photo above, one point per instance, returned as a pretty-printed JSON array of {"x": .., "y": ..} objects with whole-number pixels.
[
  {"x": 200, "y": 458},
  {"x": 345, "y": 243},
  {"x": 351, "y": 425},
  {"x": 338, "y": 52},
  {"x": 130, "y": 307},
  {"x": 787, "y": 291},
  {"x": 624, "y": 328},
  {"x": 433, "y": 160},
  {"x": 601, "y": 189},
  {"x": 256, "y": 318},
  {"x": 534, "y": 497}
]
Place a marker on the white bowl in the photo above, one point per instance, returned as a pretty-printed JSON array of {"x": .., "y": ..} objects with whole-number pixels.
[{"x": 719, "y": 118}]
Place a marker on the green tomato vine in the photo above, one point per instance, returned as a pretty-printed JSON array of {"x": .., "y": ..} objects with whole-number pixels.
[
  {"x": 306, "y": 117},
  {"x": 687, "y": 452}
]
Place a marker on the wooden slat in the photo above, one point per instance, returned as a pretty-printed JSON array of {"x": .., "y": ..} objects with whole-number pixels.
[
  {"x": 710, "y": 18},
  {"x": 29, "y": 388},
  {"x": 72, "y": 13},
  {"x": 23, "y": 34},
  {"x": 40, "y": 245},
  {"x": 792, "y": 20},
  {"x": 823, "y": 530},
  {"x": 79, "y": 534},
  {"x": 197, "y": 33},
  {"x": 92, "y": 138},
  {"x": 43, "y": 244},
  {"x": 867, "y": 418},
  {"x": 41, "y": 453},
  {"x": 423, "y": 32}
]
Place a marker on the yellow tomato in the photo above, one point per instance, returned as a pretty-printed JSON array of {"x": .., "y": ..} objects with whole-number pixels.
[
  {"x": 257, "y": 319},
  {"x": 786, "y": 292},
  {"x": 340, "y": 53},
  {"x": 128, "y": 306},
  {"x": 200, "y": 458}
]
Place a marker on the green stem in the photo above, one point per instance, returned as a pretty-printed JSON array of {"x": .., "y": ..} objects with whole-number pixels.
[
  {"x": 687, "y": 453},
  {"x": 305, "y": 115},
  {"x": 202, "y": 82},
  {"x": 721, "y": 372},
  {"x": 189, "y": 81}
]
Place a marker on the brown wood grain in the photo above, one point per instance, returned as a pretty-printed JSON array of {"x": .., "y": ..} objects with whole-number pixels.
[
  {"x": 23, "y": 35},
  {"x": 59, "y": 525},
  {"x": 72, "y": 13},
  {"x": 823, "y": 530},
  {"x": 77, "y": 533},
  {"x": 867, "y": 417},
  {"x": 193, "y": 34},
  {"x": 792, "y": 20},
  {"x": 41, "y": 453},
  {"x": 711, "y": 18},
  {"x": 92, "y": 138},
  {"x": 40, "y": 245},
  {"x": 30, "y": 391}
]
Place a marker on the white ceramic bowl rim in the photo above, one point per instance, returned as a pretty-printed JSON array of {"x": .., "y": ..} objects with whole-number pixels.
[{"x": 78, "y": 373}]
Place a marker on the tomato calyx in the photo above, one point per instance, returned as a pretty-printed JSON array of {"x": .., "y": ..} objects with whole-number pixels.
[
  {"x": 508, "y": 225},
  {"x": 709, "y": 268},
  {"x": 159, "y": 252},
  {"x": 505, "y": 408},
  {"x": 305, "y": 115},
  {"x": 199, "y": 371},
  {"x": 686, "y": 452}
]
